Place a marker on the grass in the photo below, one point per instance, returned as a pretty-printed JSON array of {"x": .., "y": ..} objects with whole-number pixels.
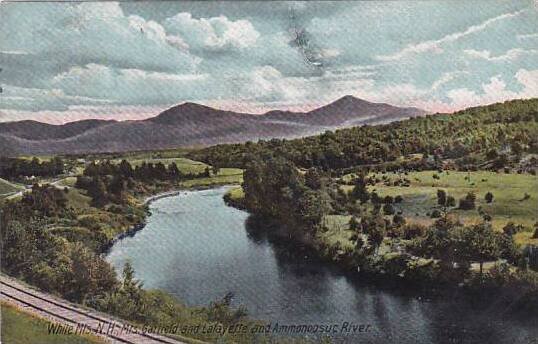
[
  {"x": 236, "y": 193},
  {"x": 7, "y": 187},
  {"x": 77, "y": 199},
  {"x": 508, "y": 205},
  {"x": 337, "y": 231},
  {"x": 185, "y": 165},
  {"x": 225, "y": 176},
  {"x": 20, "y": 327}
]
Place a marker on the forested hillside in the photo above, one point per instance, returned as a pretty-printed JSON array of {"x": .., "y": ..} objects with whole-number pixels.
[{"x": 482, "y": 135}]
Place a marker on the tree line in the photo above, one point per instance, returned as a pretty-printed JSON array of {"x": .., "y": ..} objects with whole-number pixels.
[
  {"x": 492, "y": 136},
  {"x": 14, "y": 168}
]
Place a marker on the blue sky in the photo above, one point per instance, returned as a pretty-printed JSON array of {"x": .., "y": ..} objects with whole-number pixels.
[{"x": 67, "y": 61}]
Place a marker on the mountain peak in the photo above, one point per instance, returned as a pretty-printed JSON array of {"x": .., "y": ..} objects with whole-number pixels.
[
  {"x": 349, "y": 99},
  {"x": 184, "y": 112}
]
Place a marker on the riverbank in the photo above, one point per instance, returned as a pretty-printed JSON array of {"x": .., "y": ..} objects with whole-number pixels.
[
  {"x": 144, "y": 206},
  {"x": 511, "y": 288}
]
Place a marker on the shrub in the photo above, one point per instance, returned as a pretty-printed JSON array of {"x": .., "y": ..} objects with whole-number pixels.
[
  {"x": 468, "y": 202},
  {"x": 511, "y": 228},
  {"x": 388, "y": 209},
  {"x": 489, "y": 197},
  {"x": 388, "y": 200},
  {"x": 398, "y": 199},
  {"x": 435, "y": 213},
  {"x": 413, "y": 230},
  {"x": 398, "y": 220},
  {"x": 441, "y": 197}
]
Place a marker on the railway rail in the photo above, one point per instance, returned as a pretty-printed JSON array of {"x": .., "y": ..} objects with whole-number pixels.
[{"x": 77, "y": 319}]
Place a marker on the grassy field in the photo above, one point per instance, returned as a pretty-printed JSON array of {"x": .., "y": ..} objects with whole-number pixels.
[
  {"x": 185, "y": 165},
  {"x": 8, "y": 187},
  {"x": 236, "y": 193},
  {"x": 509, "y": 203},
  {"x": 19, "y": 327},
  {"x": 225, "y": 176}
]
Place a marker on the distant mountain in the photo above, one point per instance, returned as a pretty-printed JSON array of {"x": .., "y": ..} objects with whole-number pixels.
[
  {"x": 346, "y": 111},
  {"x": 34, "y": 130},
  {"x": 190, "y": 124}
]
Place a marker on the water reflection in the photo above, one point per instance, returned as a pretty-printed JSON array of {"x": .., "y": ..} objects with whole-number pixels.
[{"x": 198, "y": 249}]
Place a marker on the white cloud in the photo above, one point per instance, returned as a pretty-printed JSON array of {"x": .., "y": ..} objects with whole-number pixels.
[
  {"x": 267, "y": 83},
  {"x": 131, "y": 86},
  {"x": 436, "y": 45},
  {"x": 495, "y": 91},
  {"x": 510, "y": 55},
  {"x": 217, "y": 33},
  {"x": 82, "y": 33},
  {"x": 527, "y": 36}
]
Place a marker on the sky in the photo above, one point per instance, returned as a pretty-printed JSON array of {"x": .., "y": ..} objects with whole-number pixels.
[{"x": 65, "y": 61}]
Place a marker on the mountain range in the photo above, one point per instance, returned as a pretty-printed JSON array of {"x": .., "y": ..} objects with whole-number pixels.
[{"x": 190, "y": 124}]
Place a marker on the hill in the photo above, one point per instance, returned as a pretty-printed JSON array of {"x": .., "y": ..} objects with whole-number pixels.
[{"x": 190, "y": 124}]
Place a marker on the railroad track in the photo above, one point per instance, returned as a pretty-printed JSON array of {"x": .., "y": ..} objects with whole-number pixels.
[{"x": 62, "y": 312}]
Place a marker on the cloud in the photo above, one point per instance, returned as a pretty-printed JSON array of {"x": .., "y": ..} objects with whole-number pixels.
[
  {"x": 436, "y": 45},
  {"x": 53, "y": 99},
  {"x": 510, "y": 55},
  {"x": 495, "y": 90},
  {"x": 79, "y": 56},
  {"x": 267, "y": 83},
  {"x": 527, "y": 36},
  {"x": 131, "y": 86},
  {"x": 214, "y": 34},
  {"x": 64, "y": 35}
]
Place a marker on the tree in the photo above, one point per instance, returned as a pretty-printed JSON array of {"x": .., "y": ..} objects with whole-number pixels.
[
  {"x": 215, "y": 169},
  {"x": 468, "y": 202},
  {"x": 479, "y": 243},
  {"x": 398, "y": 220},
  {"x": 313, "y": 178},
  {"x": 489, "y": 197},
  {"x": 354, "y": 224},
  {"x": 375, "y": 228},
  {"x": 491, "y": 154},
  {"x": 441, "y": 197},
  {"x": 173, "y": 171},
  {"x": 388, "y": 209},
  {"x": 126, "y": 169},
  {"x": 97, "y": 191},
  {"x": 360, "y": 192}
]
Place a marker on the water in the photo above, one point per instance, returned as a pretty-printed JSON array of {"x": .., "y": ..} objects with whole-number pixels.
[{"x": 198, "y": 249}]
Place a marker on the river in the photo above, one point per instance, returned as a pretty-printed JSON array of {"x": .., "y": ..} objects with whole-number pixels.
[{"x": 198, "y": 249}]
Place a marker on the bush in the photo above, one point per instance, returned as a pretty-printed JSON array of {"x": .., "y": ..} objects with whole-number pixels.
[
  {"x": 398, "y": 220},
  {"x": 511, "y": 228},
  {"x": 398, "y": 199},
  {"x": 413, "y": 230},
  {"x": 435, "y": 214},
  {"x": 489, "y": 197},
  {"x": 441, "y": 197},
  {"x": 388, "y": 200},
  {"x": 388, "y": 209},
  {"x": 468, "y": 202}
]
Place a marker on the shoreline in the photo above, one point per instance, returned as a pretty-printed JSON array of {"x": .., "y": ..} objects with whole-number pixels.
[
  {"x": 377, "y": 272},
  {"x": 131, "y": 231}
]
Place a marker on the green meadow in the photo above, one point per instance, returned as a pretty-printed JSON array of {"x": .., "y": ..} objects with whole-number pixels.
[
  {"x": 515, "y": 196},
  {"x": 7, "y": 187},
  {"x": 19, "y": 327}
]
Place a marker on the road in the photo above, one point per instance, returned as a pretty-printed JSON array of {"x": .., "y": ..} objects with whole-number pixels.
[
  {"x": 55, "y": 183},
  {"x": 73, "y": 316}
]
